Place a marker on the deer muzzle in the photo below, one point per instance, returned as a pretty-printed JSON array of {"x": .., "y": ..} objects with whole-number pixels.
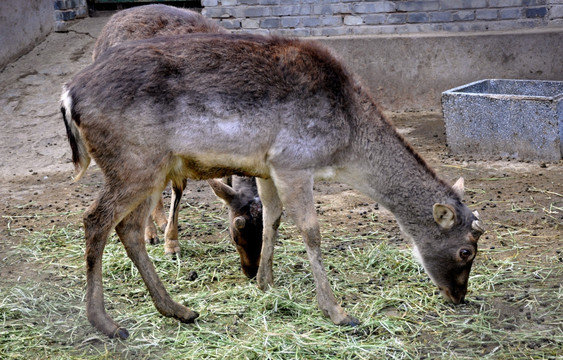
[{"x": 455, "y": 296}]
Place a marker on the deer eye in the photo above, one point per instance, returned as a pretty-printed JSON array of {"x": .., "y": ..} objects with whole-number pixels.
[
  {"x": 465, "y": 254},
  {"x": 239, "y": 222}
]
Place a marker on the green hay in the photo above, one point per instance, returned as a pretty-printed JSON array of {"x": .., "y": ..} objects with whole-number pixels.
[{"x": 513, "y": 310}]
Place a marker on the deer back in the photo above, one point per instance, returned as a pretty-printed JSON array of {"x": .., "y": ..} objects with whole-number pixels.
[
  {"x": 150, "y": 21},
  {"x": 208, "y": 97}
]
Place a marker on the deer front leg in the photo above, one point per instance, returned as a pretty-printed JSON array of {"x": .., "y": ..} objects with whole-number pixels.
[
  {"x": 296, "y": 191},
  {"x": 271, "y": 214},
  {"x": 171, "y": 243},
  {"x": 325, "y": 297},
  {"x": 130, "y": 231}
]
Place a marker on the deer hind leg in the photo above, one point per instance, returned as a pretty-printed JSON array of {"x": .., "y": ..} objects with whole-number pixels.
[
  {"x": 99, "y": 220},
  {"x": 130, "y": 231},
  {"x": 151, "y": 235},
  {"x": 158, "y": 216},
  {"x": 171, "y": 242},
  {"x": 296, "y": 190},
  {"x": 271, "y": 214}
]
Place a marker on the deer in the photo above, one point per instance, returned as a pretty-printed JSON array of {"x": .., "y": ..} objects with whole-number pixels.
[
  {"x": 285, "y": 111},
  {"x": 150, "y": 21},
  {"x": 242, "y": 200}
]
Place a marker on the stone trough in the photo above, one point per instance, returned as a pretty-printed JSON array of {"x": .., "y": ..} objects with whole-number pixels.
[{"x": 521, "y": 119}]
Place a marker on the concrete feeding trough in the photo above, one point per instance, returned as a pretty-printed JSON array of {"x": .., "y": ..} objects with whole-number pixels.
[{"x": 521, "y": 119}]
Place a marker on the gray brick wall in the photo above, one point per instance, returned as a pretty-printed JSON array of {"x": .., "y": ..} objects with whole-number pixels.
[
  {"x": 346, "y": 17},
  {"x": 68, "y": 10}
]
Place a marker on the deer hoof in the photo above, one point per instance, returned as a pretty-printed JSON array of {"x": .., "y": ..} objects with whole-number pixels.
[
  {"x": 265, "y": 278},
  {"x": 173, "y": 254},
  {"x": 151, "y": 235},
  {"x": 120, "y": 333},
  {"x": 349, "y": 321},
  {"x": 265, "y": 285},
  {"x": 172, "y": 248},
  {"x": 188, "y": 316},
  {"x": 152, "y": 240}
]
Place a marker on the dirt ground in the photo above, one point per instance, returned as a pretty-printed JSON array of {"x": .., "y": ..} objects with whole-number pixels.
[{"x": 522, "y": 198}]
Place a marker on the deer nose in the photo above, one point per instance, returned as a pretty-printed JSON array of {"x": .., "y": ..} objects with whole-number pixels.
[
  {"x": 456, "y": 297},
  {"x": 458, "y": 300},
  {"x": 250, "y": 271}
]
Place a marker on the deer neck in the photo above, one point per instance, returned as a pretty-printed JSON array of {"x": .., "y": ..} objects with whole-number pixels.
[{"x": 386, "y": 168}]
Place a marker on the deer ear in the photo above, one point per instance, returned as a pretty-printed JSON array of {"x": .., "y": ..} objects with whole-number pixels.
[
  {"x": 222, "y": 190},
  {"x": 444, "y": 215},
  {"x": 458, "y": 187}
]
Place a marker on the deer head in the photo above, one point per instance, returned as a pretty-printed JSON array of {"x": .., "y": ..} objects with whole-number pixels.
[
  {"x": 245, "y": 220},
  {"x": 448, "y": 254}
]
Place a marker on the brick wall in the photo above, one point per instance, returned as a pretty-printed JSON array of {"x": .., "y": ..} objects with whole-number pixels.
[
  {"x": 346, "y": 17},
  {"x": 68, "y": 10}
]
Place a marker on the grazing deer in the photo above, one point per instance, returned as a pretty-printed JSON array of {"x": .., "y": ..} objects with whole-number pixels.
[
  {"x": 245, "y": 219},
  {"x": 150, "y": 21},
  {"x": 286, "y": 111}
]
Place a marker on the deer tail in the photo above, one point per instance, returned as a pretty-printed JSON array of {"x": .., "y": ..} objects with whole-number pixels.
[{"x": 80, "y": 156}]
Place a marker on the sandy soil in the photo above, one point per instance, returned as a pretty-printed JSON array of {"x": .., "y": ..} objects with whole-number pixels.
[{"x": 35, "y": 171}]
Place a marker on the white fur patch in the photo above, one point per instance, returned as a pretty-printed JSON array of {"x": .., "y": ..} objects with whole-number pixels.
[
  {"x": 417, "y": 256},
  {"x": 325, "y": 173},
  {"x": 229, "y": 127},
  {"x": 66, "y": 100}
]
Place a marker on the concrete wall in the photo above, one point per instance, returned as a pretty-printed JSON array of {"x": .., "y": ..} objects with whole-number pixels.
[
  {"x": 361, "y": 17},
  {"x": 22, "y": 25},
  {"x": 412, "y": 50},
  {"x": 406, "y": 72},
  {"x": 409, "y": 72}
]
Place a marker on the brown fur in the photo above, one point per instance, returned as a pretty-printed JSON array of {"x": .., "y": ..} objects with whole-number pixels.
[
  {"x": 245, "y": 219},
  {"x": 147, "y": 22},
  {"x": 284, "y": 110}
]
